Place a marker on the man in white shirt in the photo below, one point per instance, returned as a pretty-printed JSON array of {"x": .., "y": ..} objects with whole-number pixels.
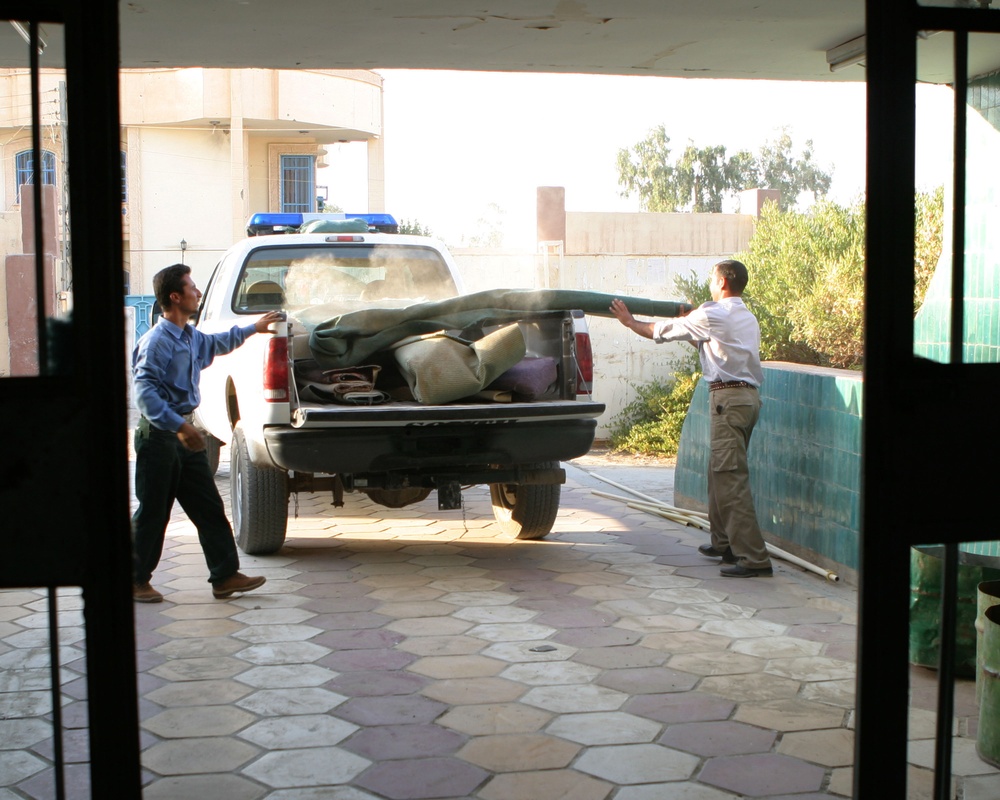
[{"x": 727, "y": 336}]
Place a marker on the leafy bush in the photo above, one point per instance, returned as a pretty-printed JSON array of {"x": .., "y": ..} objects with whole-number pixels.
[
  {"x": 929, "y": 210},
  {"x": 807, "y": 278},
  {"x": 651, "y": 424}
]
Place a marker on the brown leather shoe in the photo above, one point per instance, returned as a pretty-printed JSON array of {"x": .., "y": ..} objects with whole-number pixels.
[
  {"x": 144, "y": 593},
  {"x": 238, "y": 582}
]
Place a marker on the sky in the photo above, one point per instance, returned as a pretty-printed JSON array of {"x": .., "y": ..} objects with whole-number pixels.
[{"x": 458, "y": 143}]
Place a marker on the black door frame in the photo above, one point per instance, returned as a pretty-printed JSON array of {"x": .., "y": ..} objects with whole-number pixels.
[
  {"x": 69, "y": 423},
  {"x": 909, "y": 404},
  {"x": 922, "y": 442}
]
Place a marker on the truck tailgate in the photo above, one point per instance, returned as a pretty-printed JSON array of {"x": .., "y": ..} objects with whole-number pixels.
[
  {"x": 418, "y": 438},
  {"x": 402, "y": 414}
]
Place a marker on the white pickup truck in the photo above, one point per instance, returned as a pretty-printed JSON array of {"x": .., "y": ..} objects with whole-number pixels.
[{"x": 389, "y": 438}]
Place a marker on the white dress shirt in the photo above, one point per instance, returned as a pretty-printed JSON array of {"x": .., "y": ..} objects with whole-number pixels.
[{"x": 727, "y": 336}]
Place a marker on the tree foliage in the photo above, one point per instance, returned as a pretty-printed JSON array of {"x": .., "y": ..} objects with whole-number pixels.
[
  {"x": 807, "y": 278},
  {"x": 414, "y": 228},
  {"x": 489, "y": 230},
  {"x": 807, "y": 284},
  {"x": 651, "y": 424},
  {"x": 929, "y": 211},
  {"x": 701, "y": 178}
]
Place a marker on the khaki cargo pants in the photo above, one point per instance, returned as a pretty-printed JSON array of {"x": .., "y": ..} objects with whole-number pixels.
[{"x": 731, "y": 513}]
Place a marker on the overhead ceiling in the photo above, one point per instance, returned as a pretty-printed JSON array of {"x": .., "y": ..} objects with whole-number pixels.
[
  {"x": 777, "y": 39},
  {"x": 773, "y": 39},
  {"x": 750, "y": 39}
]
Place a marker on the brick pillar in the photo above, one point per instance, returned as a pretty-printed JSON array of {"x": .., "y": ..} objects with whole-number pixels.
[
  {"x": 752, "y": 200},
  {"x": 22, "y": 291},
  {"x": 551, "y": 214}
]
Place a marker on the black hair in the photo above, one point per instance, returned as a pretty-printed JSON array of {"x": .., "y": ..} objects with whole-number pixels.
[
  {"x": 735, "y": 273},
  {"x": 167, "y": 281}
]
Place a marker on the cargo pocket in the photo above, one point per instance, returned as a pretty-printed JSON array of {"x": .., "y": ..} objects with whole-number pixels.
[
  {"x": 724, "y": 459},
  {"x": 140, "y": 434}
]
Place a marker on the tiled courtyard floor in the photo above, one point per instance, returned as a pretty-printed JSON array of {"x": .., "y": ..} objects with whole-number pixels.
[{"x": 415, "y": 653}]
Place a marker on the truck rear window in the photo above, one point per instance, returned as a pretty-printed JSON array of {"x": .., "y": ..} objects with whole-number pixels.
[{"x": 350, "y": 276}]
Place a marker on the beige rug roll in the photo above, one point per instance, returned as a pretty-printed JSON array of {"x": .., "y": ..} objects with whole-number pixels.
[{"x": 440, "y": 368}]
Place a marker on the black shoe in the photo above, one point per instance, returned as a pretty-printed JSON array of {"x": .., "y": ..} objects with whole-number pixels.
[
  {"x": 726, "y": 555},
  {"x": 737, "y": 571}
]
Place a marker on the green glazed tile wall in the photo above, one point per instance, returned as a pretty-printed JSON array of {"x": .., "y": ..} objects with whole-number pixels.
[
  {"x": 981, "y": 339},
  {"x": 805, "y": 458}
]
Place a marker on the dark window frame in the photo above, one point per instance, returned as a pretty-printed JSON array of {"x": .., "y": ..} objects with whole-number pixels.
[
  {"x": 297, "y": 189},
  {"x": 24, "y": 170}
]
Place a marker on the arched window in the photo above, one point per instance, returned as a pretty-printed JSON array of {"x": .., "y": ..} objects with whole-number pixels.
[{"x": 24, "y": 172}]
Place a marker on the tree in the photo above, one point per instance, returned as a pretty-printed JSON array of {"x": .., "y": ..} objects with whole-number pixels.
[
  {"x": 489, "y": 231},
  {"x": 701, "y": 178},
  {"x": 779, "y": 169},
  {"x": 414, "y": 228}
]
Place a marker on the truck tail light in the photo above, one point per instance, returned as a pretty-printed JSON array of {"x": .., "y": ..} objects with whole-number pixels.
[
  {"x": 584, "y": 364},
  {"x": 276, "y": 370}
]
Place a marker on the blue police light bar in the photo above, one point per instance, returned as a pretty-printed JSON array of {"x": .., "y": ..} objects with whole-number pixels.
[{"x": 263, "y": 224}]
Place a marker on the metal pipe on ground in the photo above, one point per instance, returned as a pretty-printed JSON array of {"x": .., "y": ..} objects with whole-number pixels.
[{"x": 697, "y": 519}]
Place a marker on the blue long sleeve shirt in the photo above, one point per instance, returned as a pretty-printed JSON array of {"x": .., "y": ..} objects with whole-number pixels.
[{"x": 166, "y": 368}]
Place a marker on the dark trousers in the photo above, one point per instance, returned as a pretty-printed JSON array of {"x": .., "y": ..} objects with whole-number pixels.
[{"x": 166, "y": 471}]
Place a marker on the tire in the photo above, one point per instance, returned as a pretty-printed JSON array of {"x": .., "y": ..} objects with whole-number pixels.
[
  {"x": 212, "y": 449},
  {"x": 398, "y": 498},
  {"x": 259, "y": 497},
  {"x": 526, "y": 512}
]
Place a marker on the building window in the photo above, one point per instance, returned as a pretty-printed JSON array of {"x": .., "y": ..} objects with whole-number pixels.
[
  {"x": 24, "y": 172},
  {"x": 124, "y": 178},
  {"x": 298, "y": 184}
]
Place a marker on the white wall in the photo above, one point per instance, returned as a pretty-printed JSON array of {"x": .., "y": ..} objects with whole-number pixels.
[{"x": 185, "y": 191}]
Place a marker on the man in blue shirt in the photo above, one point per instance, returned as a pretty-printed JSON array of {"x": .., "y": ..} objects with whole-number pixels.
[
  {"x": 727, "y": 337},
  {"x": 170, "y": 457}
]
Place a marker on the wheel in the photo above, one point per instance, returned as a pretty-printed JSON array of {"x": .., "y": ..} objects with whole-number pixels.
[
  {"x": 526, "y": 512},
  {"x": 259, "y": 497},
  {"x": 212, "y": 449},
  {"x": 398, "y": 498}
]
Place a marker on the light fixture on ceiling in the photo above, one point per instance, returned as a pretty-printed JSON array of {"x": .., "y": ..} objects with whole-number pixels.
[
  {"x": 23, "y": 30},
  {"x": 847, "y": 54}
]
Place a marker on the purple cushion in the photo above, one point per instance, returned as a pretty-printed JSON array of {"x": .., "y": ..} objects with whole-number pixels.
[{"x": 529, "y": 377}]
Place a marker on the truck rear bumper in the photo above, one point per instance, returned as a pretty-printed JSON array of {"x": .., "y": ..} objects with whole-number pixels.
[{"x": 419, "y": 447}]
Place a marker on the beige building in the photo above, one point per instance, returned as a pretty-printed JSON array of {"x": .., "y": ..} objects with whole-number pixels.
[
  {"x": 202, "y": 149},
  {"x": 205, "y": 148}
]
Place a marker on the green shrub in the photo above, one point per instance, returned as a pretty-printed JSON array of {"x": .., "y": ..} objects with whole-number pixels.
[{"x": 651, "y": 424}]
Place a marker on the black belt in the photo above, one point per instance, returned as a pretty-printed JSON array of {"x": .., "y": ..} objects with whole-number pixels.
[{"x": 713, "y": 385}]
